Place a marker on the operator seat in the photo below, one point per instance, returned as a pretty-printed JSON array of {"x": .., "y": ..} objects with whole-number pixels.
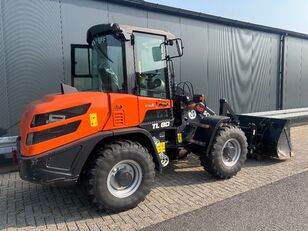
[{"x": 109, "y": 80}]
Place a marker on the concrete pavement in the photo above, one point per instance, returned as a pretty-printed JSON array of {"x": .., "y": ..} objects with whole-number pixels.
[
  {"x": 282, "y": 205},
  {"x": 183, "y": 187}
]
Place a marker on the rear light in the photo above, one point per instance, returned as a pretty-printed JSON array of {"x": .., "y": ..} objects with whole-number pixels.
[
  {"x": 55, "y": 116},
  {"x": 48, "y": 134}
]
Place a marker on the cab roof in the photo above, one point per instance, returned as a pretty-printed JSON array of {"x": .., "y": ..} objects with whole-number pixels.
[{"x": 122, "y": 30}]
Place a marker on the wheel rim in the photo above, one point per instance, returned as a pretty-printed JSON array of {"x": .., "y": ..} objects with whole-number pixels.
[
  {"x": 231, "y": 152},
  {"x": 124, "y": 178}
]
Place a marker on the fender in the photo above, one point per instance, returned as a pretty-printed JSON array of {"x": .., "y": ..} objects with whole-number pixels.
[
  {"x": 63, "y": 165},
  {"x": 140, "y": 135},
  {"x": 145, "y": 138},
  {"x": 206, "y": 130}
]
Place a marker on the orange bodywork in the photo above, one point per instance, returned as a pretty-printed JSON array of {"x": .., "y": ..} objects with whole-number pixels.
[
  {"x": 50, "y": 103},
  {"x": 146, "y": 103},
  {"x": 110, "y": 110},
  {"x": 124, "y": 111}
]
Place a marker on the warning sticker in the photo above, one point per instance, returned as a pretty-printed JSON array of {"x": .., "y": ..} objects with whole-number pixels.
[
  {"x": 93, "y": 120},
  {"x": 161, "y": 147},
  {"x": 180, "y": 139}
]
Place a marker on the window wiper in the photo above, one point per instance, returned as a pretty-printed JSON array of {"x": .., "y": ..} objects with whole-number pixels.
[{"x": 102, "y": 51}]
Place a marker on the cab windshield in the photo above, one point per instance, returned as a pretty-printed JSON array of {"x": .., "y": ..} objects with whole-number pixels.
[{"x": 107, "y": 64}]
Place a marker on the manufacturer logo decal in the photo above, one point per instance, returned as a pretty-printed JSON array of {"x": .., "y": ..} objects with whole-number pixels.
[
  {"x": 162, "y": 125},
  {"x": 150, "y": 105}
]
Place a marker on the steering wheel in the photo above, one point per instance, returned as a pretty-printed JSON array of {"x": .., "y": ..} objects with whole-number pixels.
[{"x": 150, "y": 75}]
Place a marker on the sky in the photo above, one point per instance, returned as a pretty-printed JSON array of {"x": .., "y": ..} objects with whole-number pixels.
[{"x": 285, "y": 14}]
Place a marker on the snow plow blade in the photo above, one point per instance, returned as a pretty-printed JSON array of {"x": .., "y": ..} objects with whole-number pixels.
[{"x": 268, "y": 133}]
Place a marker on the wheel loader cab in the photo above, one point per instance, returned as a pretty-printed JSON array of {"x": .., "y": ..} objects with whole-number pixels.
[
  {"x": 125, "y": 59},
  {"x": 132, "y": 65}
]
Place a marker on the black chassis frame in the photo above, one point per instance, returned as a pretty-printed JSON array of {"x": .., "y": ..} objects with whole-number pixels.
[
  {"x": 63, "y": 165},
  {"x": 202, "y": 135}
]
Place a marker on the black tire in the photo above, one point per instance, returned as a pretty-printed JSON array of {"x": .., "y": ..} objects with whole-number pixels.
[
  {"x": 216, "y": 163},
  {"x": 206, "y": 163},
  {"x": 99, "y": 169}
]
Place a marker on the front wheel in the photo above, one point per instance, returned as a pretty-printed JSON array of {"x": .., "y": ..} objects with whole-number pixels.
[
  {"x": 120, "y": 176},
  {"x": 228, "y": 153}
]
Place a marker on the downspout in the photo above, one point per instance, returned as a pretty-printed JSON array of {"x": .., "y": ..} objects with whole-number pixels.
[{"x": 281, "y": 72}]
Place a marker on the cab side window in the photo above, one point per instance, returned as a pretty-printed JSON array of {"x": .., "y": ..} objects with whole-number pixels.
[{"x": 150, "y": 66}]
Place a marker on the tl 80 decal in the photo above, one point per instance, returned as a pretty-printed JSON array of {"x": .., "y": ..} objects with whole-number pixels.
[{"x": 161, "y": 125}]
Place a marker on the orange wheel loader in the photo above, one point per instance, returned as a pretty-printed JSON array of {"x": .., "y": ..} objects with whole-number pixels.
[{"x": 135, "y": 118}]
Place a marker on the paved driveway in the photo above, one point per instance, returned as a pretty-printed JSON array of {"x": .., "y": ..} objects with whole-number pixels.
[
  {"x": 183, "y": 187},
  {"x": 280, "y": 206}
]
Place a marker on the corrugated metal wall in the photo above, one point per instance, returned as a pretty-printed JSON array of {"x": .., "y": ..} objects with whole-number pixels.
[
  {"x": 237, "y": 64},
  {"x": 33, "y": 60},
  {"x": 243, "y": 68},
  {"x": 4, "y": 107},
  {"x": 222, "y": 62},
  {"x": 295, "y": 91}
]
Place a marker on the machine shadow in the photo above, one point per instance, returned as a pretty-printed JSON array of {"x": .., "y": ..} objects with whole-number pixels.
[{"x": 190, "y": 172}]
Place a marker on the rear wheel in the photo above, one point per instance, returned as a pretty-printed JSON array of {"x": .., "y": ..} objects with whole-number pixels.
[
  {"x": 228, "y": 153},
  {"x": 120, "y": 176}
]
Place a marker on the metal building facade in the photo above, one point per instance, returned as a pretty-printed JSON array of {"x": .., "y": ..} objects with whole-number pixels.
[{"x": 223, "y": 59}]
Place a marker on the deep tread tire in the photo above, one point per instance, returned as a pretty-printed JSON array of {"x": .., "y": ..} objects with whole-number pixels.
[
  {"x": 214, "y": 162},
  {"x": 105, "y": 158}
]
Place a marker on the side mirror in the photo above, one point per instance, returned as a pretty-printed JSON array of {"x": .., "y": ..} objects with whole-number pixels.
[
  {"x": 157, "y": 54},
  {"x": 179, "y": 46},
  {"x": 178, "y": 52}
]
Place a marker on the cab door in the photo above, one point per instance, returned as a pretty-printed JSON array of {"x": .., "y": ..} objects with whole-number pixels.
[{"x": 153, "y": 88}]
